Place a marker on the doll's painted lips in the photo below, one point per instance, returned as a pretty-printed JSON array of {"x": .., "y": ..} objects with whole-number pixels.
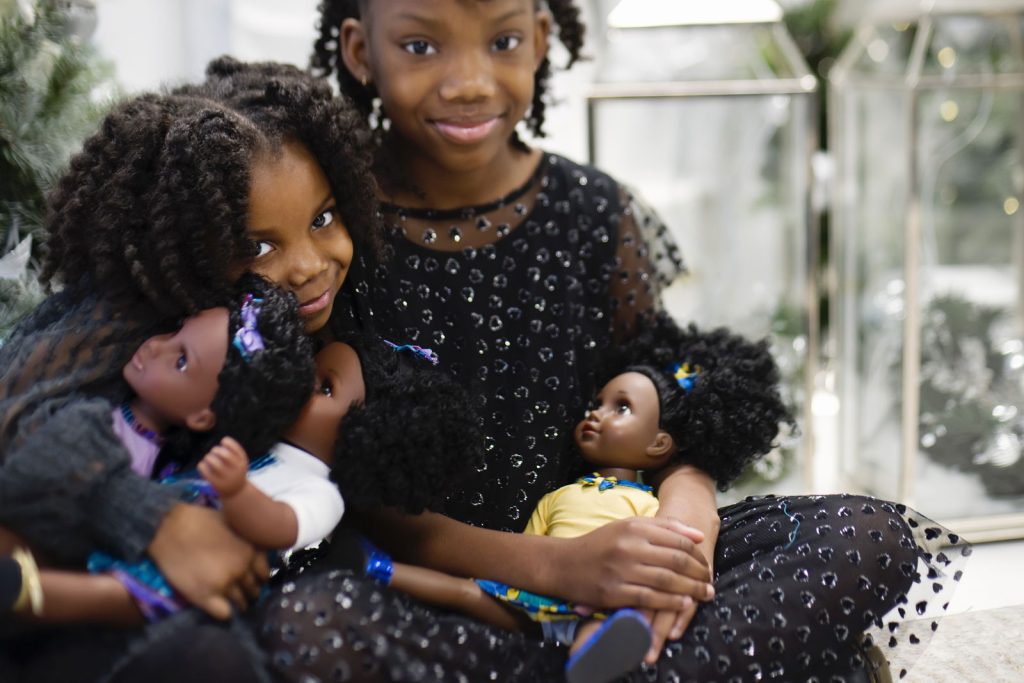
[
  {"x": 589, "y": 429},
  {"x": 466, "y": 132},
  {"x": 314, "y": 306}
]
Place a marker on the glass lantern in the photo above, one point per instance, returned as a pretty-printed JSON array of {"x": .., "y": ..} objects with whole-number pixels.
[
  {"x": 927, "y": 126},
  {"x": 709, "y": 111}
]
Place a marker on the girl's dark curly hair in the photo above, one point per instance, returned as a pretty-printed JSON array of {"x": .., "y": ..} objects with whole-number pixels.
[
  {"x": 731, "y": 415},
  {"x": 411, "y": 440},
  {"x": 259, "y": 392},
  {"x": 326, "y": 59},
  {"x": 153, "y": 210}
]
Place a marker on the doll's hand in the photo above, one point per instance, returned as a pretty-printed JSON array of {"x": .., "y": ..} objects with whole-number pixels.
[
  {"x": 205, "y": 561},
  {"x": 642, "y": 562},
  {"x": 225, "y": 467}
]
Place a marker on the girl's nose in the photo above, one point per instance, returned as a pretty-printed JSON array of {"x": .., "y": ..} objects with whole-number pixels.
[
  {"x": 469, "y": 78},
  {"x": 307, "y": 263}
]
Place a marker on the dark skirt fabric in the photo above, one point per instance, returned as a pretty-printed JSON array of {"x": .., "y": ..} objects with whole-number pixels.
[{"x": 805, "y": 587}]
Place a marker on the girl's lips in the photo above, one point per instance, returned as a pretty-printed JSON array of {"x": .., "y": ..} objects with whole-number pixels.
[
  {"x": 314, "y": 306},
  {"x": 464, "y": 132}
]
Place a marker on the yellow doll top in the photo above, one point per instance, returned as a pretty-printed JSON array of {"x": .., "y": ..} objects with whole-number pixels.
[{"x": 588, "y": 503}]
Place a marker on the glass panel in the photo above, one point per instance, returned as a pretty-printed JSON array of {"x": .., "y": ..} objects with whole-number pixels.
[
  {"x": 729, "y": 176},
  {"x": 694, "y": 53},
  {"x": 975, "y": 45},
  {"x": 972, "y": 364},
  {"x": 874, "y": 139},
  {"x": 884, "y": 51}
]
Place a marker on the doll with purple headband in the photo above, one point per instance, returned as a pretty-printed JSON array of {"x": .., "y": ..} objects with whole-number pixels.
[{"x": 231, "y": 378}]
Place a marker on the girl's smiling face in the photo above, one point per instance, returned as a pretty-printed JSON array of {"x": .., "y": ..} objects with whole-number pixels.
[
  {"x": 454, "y": 76},
  {"x": 301, "y": 243}
]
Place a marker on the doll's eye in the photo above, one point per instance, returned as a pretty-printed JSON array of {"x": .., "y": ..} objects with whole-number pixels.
[
  {"x": 325, "y": 388},
  {"x": 324, "y": 219},
  {"x": 181, "y": 365},
  {"x": 623, "y": 408}
]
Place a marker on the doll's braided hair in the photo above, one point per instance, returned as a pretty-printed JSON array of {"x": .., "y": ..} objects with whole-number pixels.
[
  {"x": 731, "y": 413},
  {"x": 153, "y": 210},
  {"x": 326, "y": 59},
  {"x": 412, "y": 439},
  {"x": 259, "y": 392}
]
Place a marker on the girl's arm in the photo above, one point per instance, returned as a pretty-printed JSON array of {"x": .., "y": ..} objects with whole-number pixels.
[
  {"x": 688, "y": 495},
  {"x": 645, "y": 562},
  {"x": 252, "y": 514}
]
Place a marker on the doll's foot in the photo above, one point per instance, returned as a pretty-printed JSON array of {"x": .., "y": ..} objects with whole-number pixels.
[
  {"x": 20, "y": 587},
  {"x": 616, "y": 648}
]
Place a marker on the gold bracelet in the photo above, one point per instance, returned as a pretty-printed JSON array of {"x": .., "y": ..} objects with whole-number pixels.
[{"x": 31, "y": 594}]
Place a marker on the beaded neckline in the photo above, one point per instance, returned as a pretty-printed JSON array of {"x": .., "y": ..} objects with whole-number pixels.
[
  {"x": 467, "y": 212},
  {"x": 131, "y": 421}
]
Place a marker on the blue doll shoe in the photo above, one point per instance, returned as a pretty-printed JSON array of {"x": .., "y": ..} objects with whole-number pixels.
[{"x": 615, "y": 649}]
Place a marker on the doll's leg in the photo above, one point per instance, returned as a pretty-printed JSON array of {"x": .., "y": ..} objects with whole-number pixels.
[
  {"x": 604, "y": 649},
  {"x": 457, "y": 594}
]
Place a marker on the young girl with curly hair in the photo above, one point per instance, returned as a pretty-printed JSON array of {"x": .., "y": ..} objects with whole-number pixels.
[
  {"x": 524, "y": 266},
  {"x": 258, "y": 168}
]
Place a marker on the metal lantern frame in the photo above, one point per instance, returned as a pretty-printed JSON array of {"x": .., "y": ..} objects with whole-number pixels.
[
  {"x": 915, "y": 84},
  {"x": 801, "y": 82}
]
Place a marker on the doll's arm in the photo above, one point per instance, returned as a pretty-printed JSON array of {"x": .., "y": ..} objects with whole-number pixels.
[
  {"x": 453, "y": 593},
  {"x": 646, "y": 562},
  {"x": 250, "y": 512}
]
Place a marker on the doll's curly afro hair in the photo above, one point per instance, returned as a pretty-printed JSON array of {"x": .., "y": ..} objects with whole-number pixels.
[
  {"x": 260, "y": 391},
  {"x": 326, "y": 59},
  {"x": 731, "y": 414},
  {"x": 412, "y": 439},
  {"x": 153, "y": 210}
]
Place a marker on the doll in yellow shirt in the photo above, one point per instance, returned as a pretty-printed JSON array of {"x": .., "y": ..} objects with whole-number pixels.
[{"x": 669, "y": 395}]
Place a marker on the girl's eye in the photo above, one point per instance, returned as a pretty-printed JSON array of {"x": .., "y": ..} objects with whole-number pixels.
[
  {"x": 261, "y": 248},
  {"x": 324, "y": 219},
  {"x": 181, "y": 365},
  {"x": 419, "y": 47},
  {"x": 506, "y": 43},
  {"x": 325, "y": 388}
]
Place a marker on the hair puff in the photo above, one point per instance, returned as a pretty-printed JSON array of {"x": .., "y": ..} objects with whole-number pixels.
[
  {"x": 413, "y": 438},
  {"x": 732, "y": 414}
]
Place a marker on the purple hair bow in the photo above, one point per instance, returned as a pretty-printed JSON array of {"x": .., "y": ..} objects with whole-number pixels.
[
  {"x": 247, "y": 339},
  {"x": 426, "y": 354}
]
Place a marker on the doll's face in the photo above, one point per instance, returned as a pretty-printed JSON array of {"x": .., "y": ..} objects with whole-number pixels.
[
  {"x": 339, "y": 384},
  {"x": 174, "y": 375},
  {"x": 621, "y": 426},
  {"x": 301, "y": 243}
]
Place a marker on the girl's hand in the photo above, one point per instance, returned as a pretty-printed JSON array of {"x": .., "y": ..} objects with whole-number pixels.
[
  {"x": 667, "y": 625},
  {"x": 225, "y": 467},
  {"x": 205, "y": 561},
  {"x": 642, "y": 562}
]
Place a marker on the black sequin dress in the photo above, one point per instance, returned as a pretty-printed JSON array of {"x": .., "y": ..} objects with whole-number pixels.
[{"x": 517, "y": 298}]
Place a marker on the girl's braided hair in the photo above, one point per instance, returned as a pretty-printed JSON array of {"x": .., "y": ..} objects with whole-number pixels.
[
  {"x": 153, "y": 210},
  {"x": 326, "y": 59},
  {"x": 731, "y": 413},
  {"x": 259, "y": 392}
]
